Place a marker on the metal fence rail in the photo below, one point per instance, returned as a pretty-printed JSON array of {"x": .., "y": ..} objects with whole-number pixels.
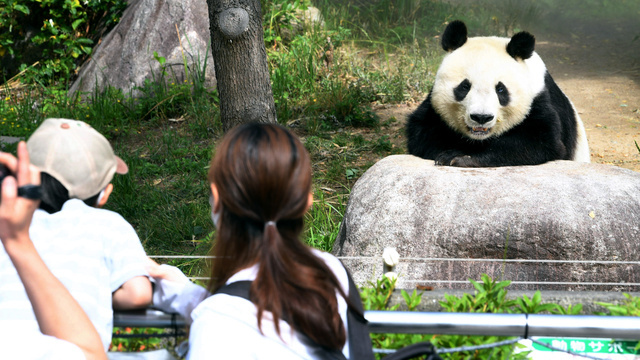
[
  {"x": 407, "y": 322},
  {"x": 521, "y": 325},
  {"x": 456, "y": 283}
]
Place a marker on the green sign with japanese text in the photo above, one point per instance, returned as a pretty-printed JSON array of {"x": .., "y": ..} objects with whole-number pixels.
[{"x": 598, "y": 346}]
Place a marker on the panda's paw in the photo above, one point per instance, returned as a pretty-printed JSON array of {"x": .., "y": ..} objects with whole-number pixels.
[
  {"x": 464, "y": 161},
  {"x": 450, "y": 158}
]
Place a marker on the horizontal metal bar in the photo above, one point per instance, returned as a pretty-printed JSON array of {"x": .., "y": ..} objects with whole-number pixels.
[
  {"x": 612, "y": 327},
  {"x": 514, "y": 282},
  {"x": 149, "y": 336},
  {"x": 546, "y": 261},
  {"x": 149, "y": 318},
  {"x": 522, "y": 325},
  {"x": 412, "y": 322}
]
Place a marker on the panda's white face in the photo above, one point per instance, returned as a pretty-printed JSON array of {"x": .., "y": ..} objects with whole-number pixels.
[{"x": 482, "y": 91}]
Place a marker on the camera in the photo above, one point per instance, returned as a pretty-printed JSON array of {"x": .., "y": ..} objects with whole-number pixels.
[{"x": 4, "y": 172}]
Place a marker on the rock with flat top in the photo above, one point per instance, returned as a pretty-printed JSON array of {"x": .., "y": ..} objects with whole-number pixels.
[{"x": 450, "y": 224}]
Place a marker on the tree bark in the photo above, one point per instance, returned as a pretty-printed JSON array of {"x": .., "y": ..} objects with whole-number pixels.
[{"x": 240, "y": 61}]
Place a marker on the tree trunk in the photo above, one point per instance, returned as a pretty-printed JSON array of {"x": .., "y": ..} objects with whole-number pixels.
[{"x": 240, "y": 60}]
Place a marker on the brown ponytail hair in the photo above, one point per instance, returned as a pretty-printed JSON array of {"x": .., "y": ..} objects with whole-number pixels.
[{"x": 263, "y": 176}]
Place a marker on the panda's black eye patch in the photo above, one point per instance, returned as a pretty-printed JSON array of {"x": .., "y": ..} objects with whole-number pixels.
[
  {"x": 461, "y": 91},
  {"x": 503, "y": 94}
]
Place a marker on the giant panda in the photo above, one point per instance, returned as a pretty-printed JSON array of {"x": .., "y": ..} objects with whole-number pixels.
[{"x": 493, "y": 103}]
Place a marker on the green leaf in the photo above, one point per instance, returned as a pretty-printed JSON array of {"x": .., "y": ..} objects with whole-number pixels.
[
  {"x": 575, "y": 310},
  {"x": 477, "y": 285},
  {"x": 159, "y": 58},
  {"x": 544, "y": 307},
  {"x": 486, "y": 278},
  {"x": 537, "y": 297},
  {"x": 350, "y": 173},
  {"x": 75, "y": 24},
  {"x": 502, "y": 284},
  {"x": 23, "y": 9},
  {"x": 84, "y": 41},
  {"x": 617, "y": 310},
  {"x": 405, "y": 296}
]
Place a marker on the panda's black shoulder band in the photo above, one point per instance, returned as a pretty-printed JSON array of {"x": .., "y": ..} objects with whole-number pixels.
[
  {"x": 454, "y": 36},
  {"x": 521, "y": 45}
]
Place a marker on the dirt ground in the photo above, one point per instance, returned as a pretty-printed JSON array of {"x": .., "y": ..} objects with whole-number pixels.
[{"x": 597, "y": 65}]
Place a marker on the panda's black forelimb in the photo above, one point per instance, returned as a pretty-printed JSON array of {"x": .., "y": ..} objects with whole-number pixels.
[{"x": 428, "y": 135}]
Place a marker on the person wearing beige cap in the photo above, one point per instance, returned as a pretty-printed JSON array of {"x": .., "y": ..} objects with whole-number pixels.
[
  {"x": 78, "y": 157},
  {"x": 94, "y": 252},
  {"x": 65, "y": 330}
]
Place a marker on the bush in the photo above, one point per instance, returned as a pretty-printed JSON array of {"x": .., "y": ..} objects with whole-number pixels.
[
  {"x": 490, "y": 296},
  {"x": 54, "y": 35}
]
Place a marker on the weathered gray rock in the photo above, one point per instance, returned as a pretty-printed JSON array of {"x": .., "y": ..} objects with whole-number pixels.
[
  {"x": 125, "y": 57},
  {"x": 561, "y": 210},
  {"x": 8, "y": 140}
]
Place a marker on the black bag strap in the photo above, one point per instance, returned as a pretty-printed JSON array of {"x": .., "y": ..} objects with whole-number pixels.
[
  {"x": 238, "y": 288},
  {"x": 360, "y": 346}
]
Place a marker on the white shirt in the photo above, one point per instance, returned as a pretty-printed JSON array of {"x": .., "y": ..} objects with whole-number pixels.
[
  {"x": 36, "y": 346},
  {"x": 91, "y": 251},
  {"x": 226, "y": 326}
]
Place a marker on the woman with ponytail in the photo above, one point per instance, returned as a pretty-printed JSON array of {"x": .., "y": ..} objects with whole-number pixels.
[{"x": 260, "y": 179}]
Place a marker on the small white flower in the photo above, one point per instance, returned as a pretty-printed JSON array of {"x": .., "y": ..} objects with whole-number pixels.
[
  {"x": 390, "y": 256},
  {"x": 51, "y": 22}
]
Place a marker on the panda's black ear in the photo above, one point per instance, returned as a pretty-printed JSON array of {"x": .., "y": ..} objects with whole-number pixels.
[
  {"x": 521, "y": 45},
  {"x": 454, "y": 36}
]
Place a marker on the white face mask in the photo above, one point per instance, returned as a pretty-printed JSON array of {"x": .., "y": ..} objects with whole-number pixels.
[
  {"x": 215, "y": 217},
  {"x": 100, "y": 197}
]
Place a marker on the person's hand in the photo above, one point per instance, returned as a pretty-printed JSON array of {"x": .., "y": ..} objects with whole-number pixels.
[
  {"x": 164, "y": 272},
  {"x": 16, "y": 212}
]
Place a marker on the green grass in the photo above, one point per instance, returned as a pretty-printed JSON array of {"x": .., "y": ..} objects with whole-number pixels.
[{"x": 323, "y": 219}]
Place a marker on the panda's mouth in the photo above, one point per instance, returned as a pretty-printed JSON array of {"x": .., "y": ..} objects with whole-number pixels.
[{"x": 478, "y": 130}]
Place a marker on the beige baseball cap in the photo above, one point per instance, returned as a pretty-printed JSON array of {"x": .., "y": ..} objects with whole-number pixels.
[{"x": 75, "y": 154}]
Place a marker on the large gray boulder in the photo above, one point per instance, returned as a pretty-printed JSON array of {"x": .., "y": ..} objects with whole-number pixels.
[
  {"x": 450, "y": 224},
  {"x": 125, "y": 57}
]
